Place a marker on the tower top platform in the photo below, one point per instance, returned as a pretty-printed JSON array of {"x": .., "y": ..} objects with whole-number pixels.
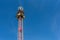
[{"x": 20, "y": 12}]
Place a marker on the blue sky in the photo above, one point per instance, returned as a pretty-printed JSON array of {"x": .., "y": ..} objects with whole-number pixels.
[{"x": 42, "y": 19}]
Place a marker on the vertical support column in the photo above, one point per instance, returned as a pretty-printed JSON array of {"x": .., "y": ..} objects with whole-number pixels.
[{"x": 20, "y": 29}]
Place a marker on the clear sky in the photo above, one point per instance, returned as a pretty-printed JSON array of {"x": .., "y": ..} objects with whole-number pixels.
[{"x": 42, "y": 19}]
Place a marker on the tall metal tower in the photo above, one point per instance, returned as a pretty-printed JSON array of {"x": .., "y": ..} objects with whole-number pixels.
[{"x": 20, "y": 16}]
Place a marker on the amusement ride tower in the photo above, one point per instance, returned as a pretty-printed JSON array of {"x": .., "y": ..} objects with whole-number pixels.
[{"x": 20, "y": 17}]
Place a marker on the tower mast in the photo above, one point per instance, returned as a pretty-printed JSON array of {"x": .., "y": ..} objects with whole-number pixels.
[{"x": 20, "y": 16}]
